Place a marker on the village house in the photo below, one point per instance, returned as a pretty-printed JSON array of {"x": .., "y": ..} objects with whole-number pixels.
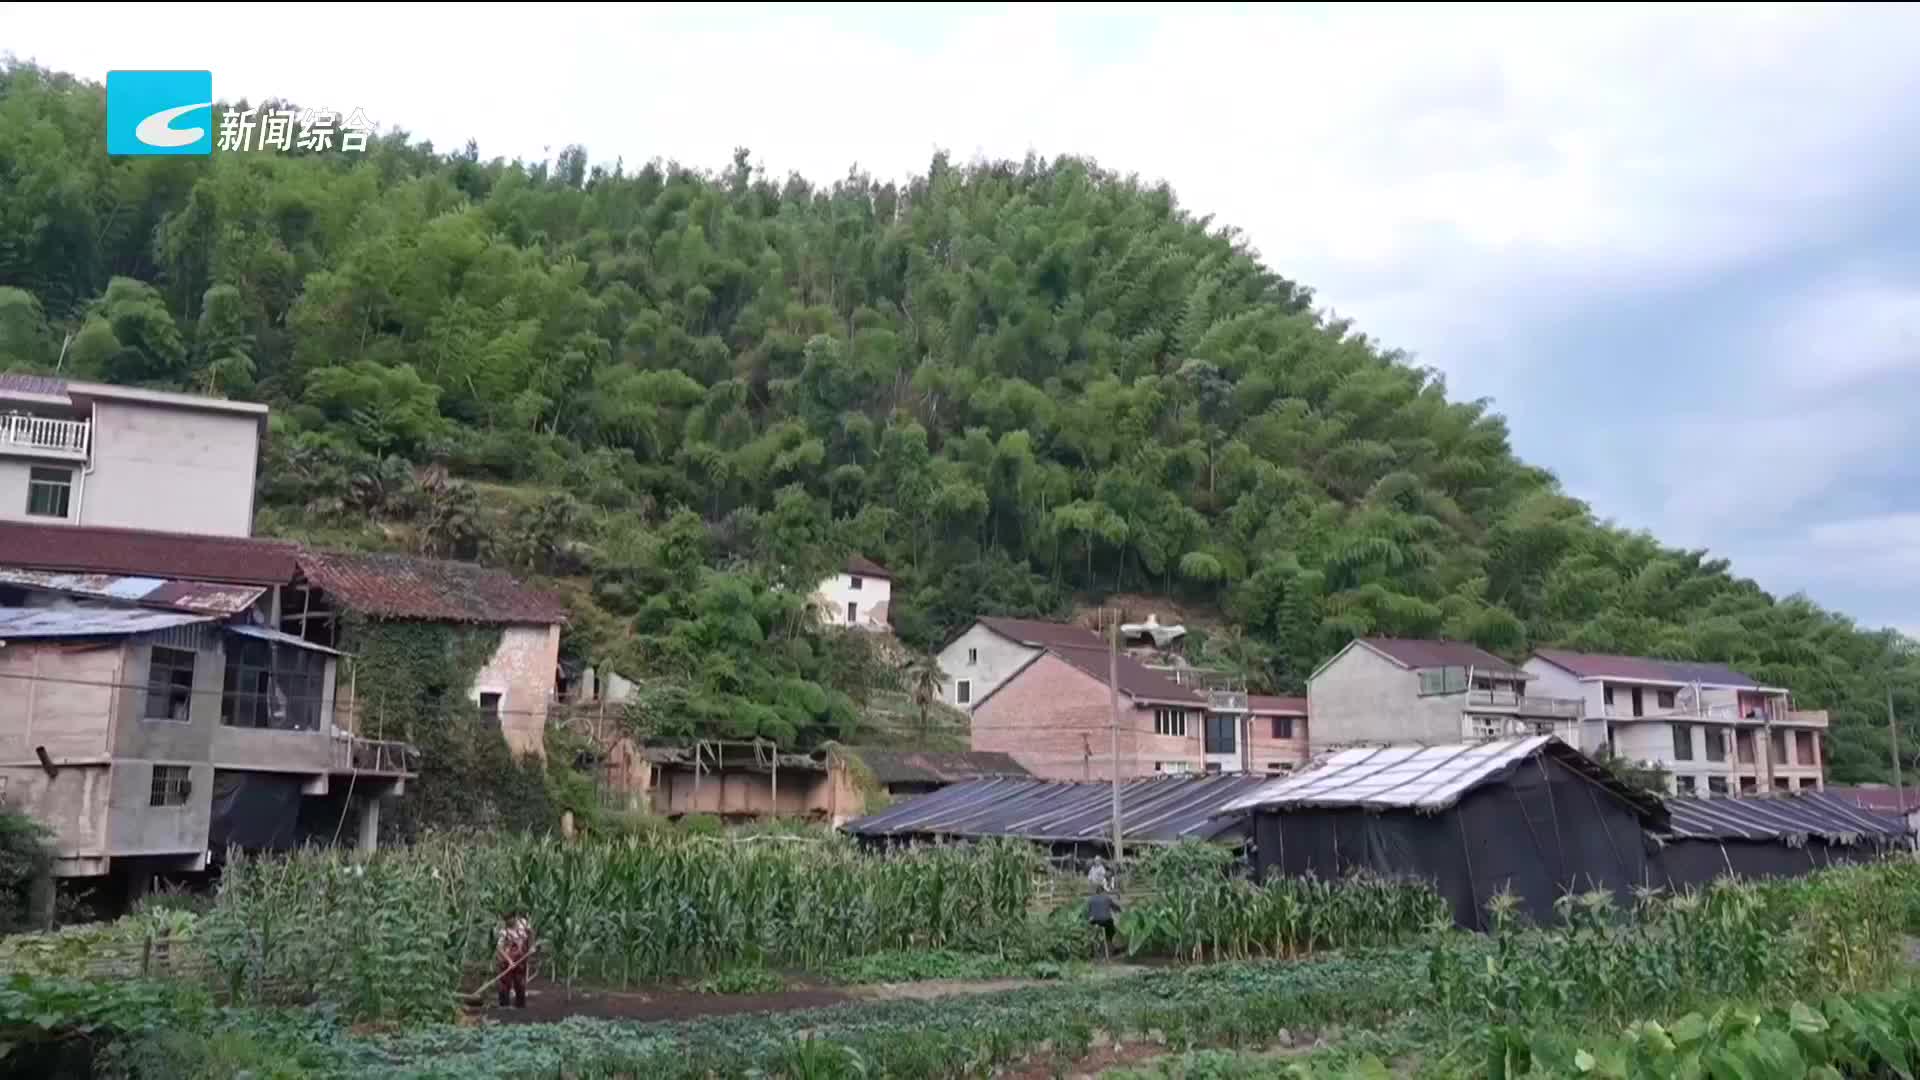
[
  {"x": 1047, "y": 703},
  {"x": 77, "y": 453},
  {"x": 857, "y": 597},
  {"x": 1397, "y": 690},
  {"x": 1717, "y": 731}
]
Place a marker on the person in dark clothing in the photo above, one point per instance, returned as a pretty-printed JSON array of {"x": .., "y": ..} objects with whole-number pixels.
[
  {"x": 1101, "y": 909},
  {"x": 513, "y": 947}
]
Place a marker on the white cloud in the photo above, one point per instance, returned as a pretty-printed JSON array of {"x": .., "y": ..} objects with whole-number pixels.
[{"x": 1848, "y": 332}]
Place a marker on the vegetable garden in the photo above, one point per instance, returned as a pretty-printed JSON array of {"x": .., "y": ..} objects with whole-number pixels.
[{"x": 320, "y": 966}]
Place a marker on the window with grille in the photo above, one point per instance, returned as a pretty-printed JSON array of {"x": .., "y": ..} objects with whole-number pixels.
[
  {"x": 1486, "y": 727},
  {"x": 1170, "y": 722},
  {"x": 49, "y": 492},
  {"x": 272, "y": 686},
  {"x": 1283, "y": 727},
  {"x": 171, "y": 785},
  {"x": 855, "y": 583},
  {"x": 170, "y": 684}
]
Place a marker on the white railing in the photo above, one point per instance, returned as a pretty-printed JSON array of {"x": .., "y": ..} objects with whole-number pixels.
[
  {"x": 44, "y": 433},
  {"x": 1526, "y": 703}
]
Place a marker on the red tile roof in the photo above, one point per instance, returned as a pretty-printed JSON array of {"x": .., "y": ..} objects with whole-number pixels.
[
  {"x": 1262, "y": 705},
  {"x": 1039, "y": 634},
  {"x": 147, "y": 554},
  {"x": 1643, "y": 668},
  {"x": 405, "y": 587},
  {"x": 865, "y": 567},
  {"x": 1436, "y": 654}
]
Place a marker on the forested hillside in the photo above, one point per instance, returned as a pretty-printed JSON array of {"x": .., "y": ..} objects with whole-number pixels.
[{"x": 1015, "y": 383}]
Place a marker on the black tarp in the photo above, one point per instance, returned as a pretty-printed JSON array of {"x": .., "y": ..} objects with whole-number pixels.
[
  {"x": 254, "y": 811},
  {"x": 1539, "y": 830}
]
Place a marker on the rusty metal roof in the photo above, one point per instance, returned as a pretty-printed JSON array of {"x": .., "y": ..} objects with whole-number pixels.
[
  {"x": 175, "y": 556},
  {"x": 211, "y": 597},
  {"x": 406, "y": 587},
  {"x": 1156, "y": 810},
  {"x": 936, "y": 766},
  {"x": 31, "y": 624}
]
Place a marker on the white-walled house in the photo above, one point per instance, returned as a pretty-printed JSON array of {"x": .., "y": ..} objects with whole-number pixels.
[
  {"x": 74, "y": 453},
  {"x": 858, "y": 596},
  {"x": 1716, "y": 730},
  {"x": 993, "y": 649}
]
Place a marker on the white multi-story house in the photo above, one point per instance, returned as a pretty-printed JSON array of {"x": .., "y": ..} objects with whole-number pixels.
[
  {"x": 80, "y": 453},
  {"x": 1716, "y": 730},
  {"x": 1396, "y": 690},
  {"x": 857, "y": 597}
]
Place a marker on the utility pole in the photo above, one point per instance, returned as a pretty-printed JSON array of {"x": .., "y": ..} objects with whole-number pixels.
[
  {"x": 1893, "y": 735},
  {"x": 1113, "y": 689}
]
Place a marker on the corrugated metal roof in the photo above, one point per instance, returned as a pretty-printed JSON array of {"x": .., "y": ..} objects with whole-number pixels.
[
  {"x": 1645, "y": 668},
  {"x": 405, "y": 587},
  {"x": 176, "y": 556},
  {"x": 1419, "y": 654},
  {"x": 936, "y": 766},
  {"x": 1157, "y": 810},
  {"x": 30, "y": 624},
  {"x": 211, "y": 597},
  {"x": 1426, "y": 778},
  {"x": 1788, "y": 818},
  {"x": 261, "y": 633}
]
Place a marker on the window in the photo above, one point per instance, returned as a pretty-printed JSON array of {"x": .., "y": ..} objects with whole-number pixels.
[
  {"x": 1716, "y": 744},
  {"x": 1749, "y": 786},
  {"x": 1637, "y": 711},
  {"x": 855, "y": 586},
  {"x": 1777, "y": 750},
  {"x": 1173, "y": 768},
  {"x": 1717, "y": 785},
  {"x": 1606, "y": 696},
  {"x": 270, "y": 685},
  {"x": 1664, "y": 698},
  {"x": 1683, "y": 742},
  {"x": 1781, "y": 783},
  {"x": 171, "y": 785},
  {"x": 1170, "y": 722},
  {"x": 1223, "y": 733},
  {"x": 490, "y": 708},
  {"x": 1803, "y": 748},
  {"x": 1485, "y": 727},
  {"x": 853, "y": 611},
  {"x": 963, "y": 691},
  {"x": 1683, "y": 784},
  {"x": 170, "y": 684},
  {"x": 1446, "y": 680},
  {"x": 973, "y": 656},
  {"x": 48, "y": 491},
  {"x": 1283, "y": 727}
]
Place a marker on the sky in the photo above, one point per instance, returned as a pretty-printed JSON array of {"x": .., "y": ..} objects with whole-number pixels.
[{"x": 1677, "y": 247}]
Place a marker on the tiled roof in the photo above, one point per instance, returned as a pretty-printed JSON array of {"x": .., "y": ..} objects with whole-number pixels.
[
  {"x": 1644, "y": 668},
  {"x": 405, "y": 587},
  {"x": 22, "y": 383},
  {"x": 1136, "y": 680},
  {"x": 1790, "y": 818},
  {"x": 1040, "y": 634},
  {"x": 1161, "y": 810},
  {"x": 865, "y": 567},
  {"x": 936, "y": 766},
  {"x": 1262, "y": 705},
  {"x": 1881, "y": 800},
  {"x": 1418, "y": 654},
  {"x": 153, "y": 554}
]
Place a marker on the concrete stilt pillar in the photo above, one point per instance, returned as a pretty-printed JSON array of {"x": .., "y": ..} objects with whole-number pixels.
[{"x": 369, "y": 840}]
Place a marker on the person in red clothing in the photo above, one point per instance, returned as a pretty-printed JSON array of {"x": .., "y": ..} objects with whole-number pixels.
[{"x": 513, "y": 945}]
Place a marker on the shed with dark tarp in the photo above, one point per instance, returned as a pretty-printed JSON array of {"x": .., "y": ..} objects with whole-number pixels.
[
  {"x": 1533, "y": 816},
  {"x": 1776, "y": 836},
  {"x": 1160, "y": 810}
]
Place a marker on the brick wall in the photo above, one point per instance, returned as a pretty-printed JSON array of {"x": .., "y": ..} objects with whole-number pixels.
[
  {"x": 1264, "y": 751},
  {"x": 1052, "y": 714}
]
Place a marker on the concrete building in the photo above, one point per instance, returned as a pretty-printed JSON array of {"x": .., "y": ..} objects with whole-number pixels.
[
  {"x": 1378, "y": 691},
  {"x": 1716, "y": 730},
  {"x": 857, "y": 597},
  {"x": 80, "y": 453},
  {"x": 993, "y": 648},
  {"x": 148, "y": 739},
  {"x": 1053, "y": 711}
]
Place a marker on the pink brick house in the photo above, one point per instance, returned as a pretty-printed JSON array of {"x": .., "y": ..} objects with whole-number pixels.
[{"x": 1053, "y": 713}]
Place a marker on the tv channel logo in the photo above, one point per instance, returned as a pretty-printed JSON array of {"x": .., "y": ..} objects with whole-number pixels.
[{"x": 159, "y": 112}]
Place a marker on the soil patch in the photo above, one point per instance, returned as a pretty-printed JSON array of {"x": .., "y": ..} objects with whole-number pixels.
[{"x": 547, "y": 1003}]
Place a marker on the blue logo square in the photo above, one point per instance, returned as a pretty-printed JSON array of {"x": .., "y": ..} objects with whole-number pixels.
[{"x": 159, "y": 112}]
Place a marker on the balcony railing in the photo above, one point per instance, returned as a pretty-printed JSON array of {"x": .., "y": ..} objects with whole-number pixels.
[
  {"x": 1526, "y": 704},
  {"x": 44, "y": 433},
  {"x": 355, "y": 754}
]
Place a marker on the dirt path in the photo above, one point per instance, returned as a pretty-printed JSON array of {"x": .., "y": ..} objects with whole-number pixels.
[{"x": 547, "y": 1002}]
